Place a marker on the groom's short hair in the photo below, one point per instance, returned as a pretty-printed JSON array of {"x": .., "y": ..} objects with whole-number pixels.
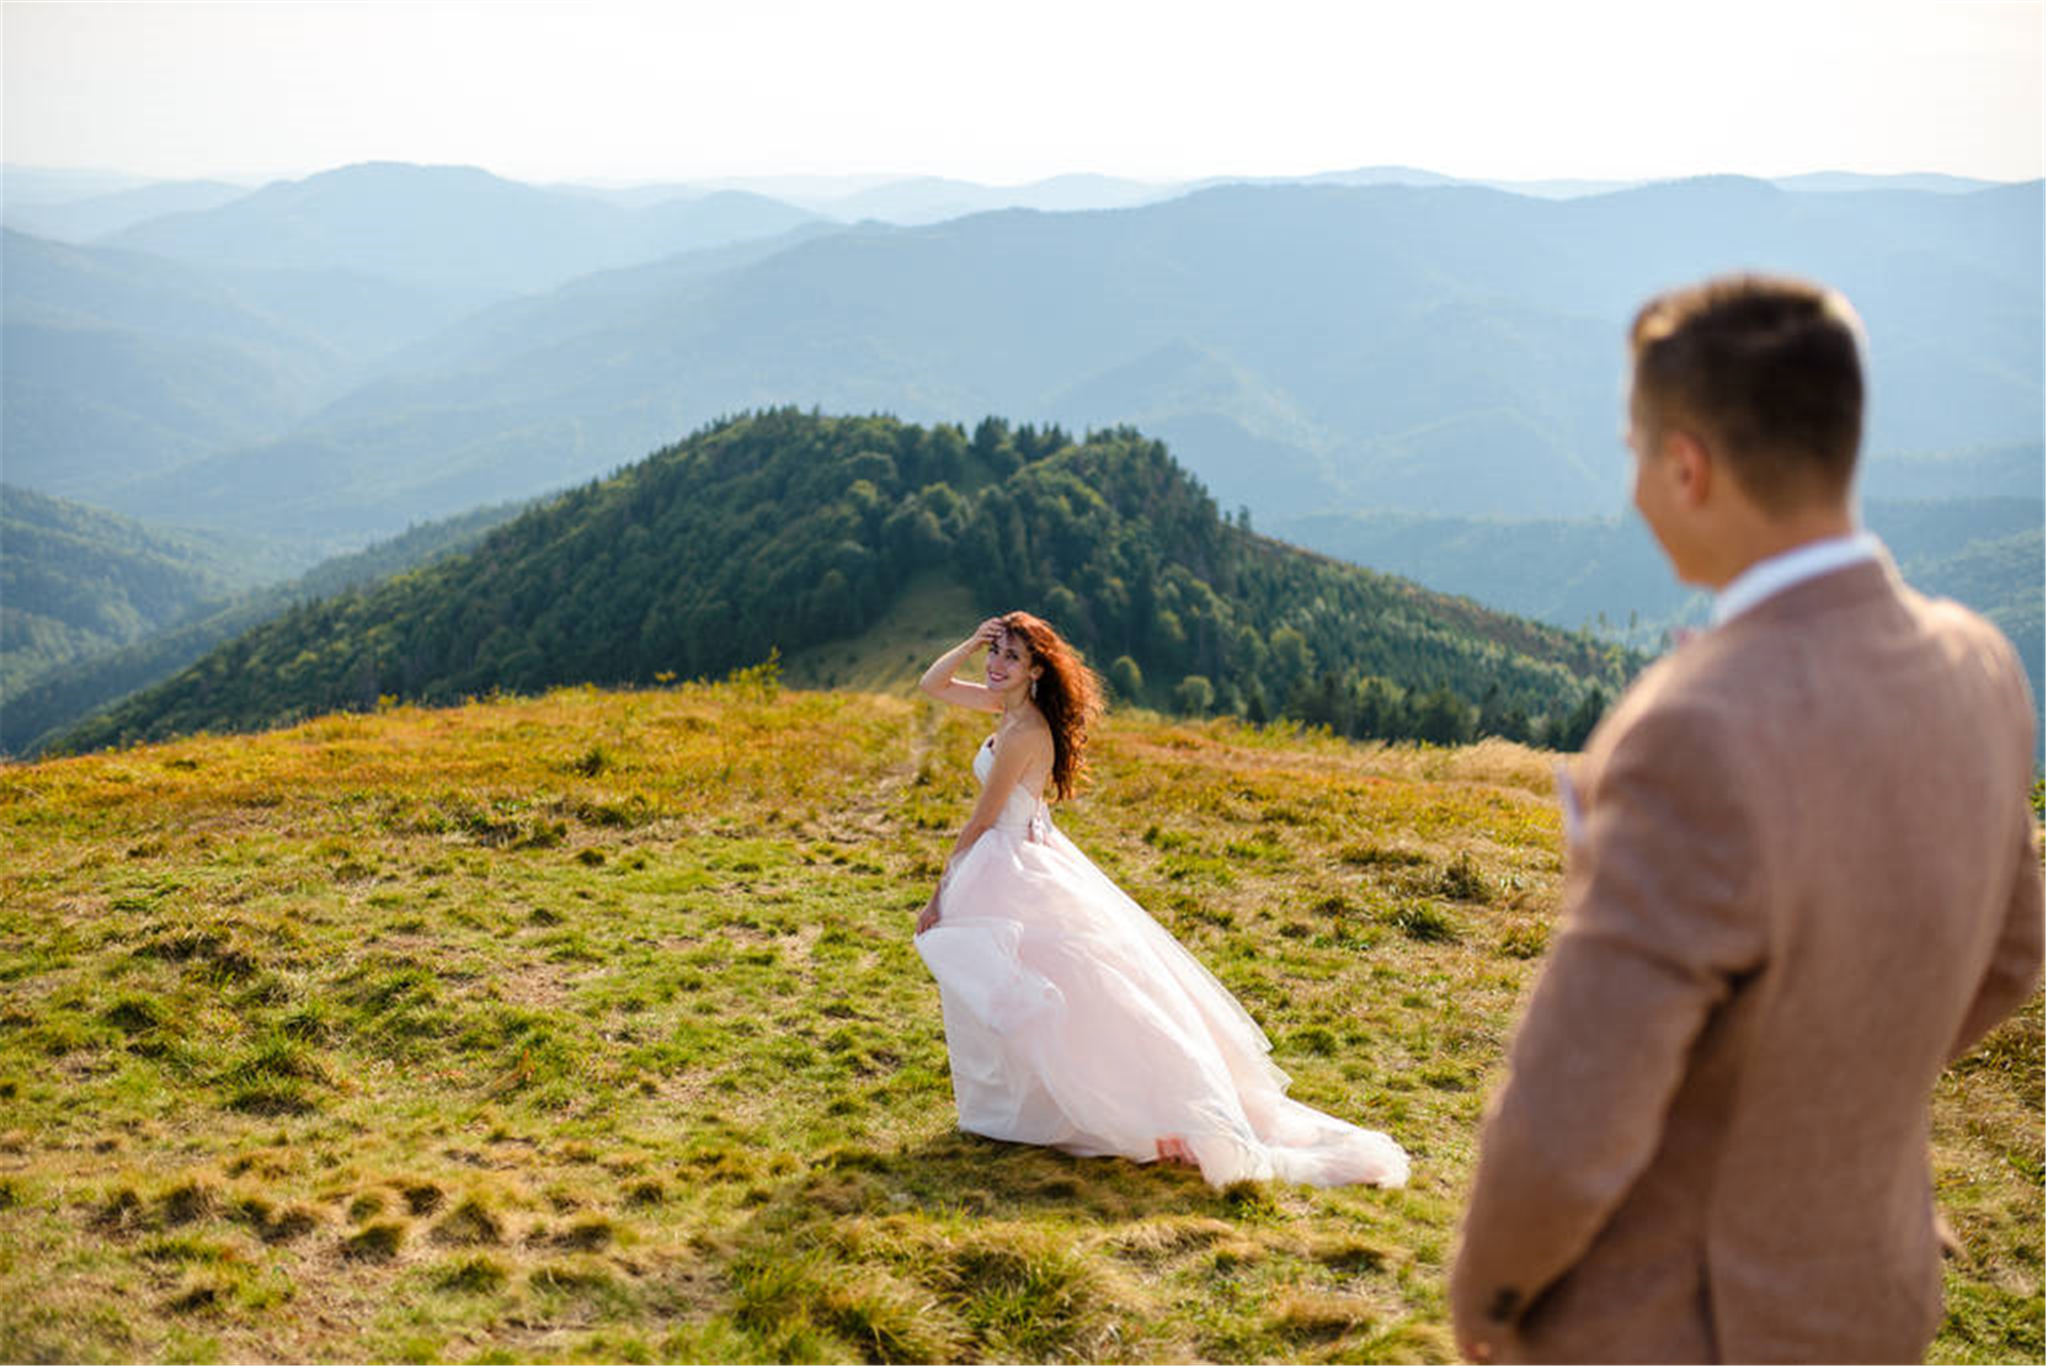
[{"x": 1769, "y": 370}]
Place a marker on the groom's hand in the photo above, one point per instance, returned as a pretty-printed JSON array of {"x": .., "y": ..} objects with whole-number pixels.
[{"x": 1479, "y": 1352}]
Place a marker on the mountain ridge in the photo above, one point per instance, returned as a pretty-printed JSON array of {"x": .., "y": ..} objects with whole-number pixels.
[
  {"x": 445, "y": 225},
  {"x": 779, "y": 530},
  {"x": 1405, "y": 331}
]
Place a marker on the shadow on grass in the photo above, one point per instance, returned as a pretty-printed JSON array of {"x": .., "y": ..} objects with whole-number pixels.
[{"x": 962, "y": 1174}]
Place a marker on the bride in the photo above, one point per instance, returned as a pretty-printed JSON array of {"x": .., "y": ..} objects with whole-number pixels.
[{"x": 1072, "y": 1018}]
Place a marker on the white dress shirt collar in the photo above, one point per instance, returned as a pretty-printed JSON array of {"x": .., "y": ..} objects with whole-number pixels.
[{"x": 1766, "y": 578}]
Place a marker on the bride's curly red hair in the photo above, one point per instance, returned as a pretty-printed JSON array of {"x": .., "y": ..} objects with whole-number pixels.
[{"x": 1068, "y": 693}]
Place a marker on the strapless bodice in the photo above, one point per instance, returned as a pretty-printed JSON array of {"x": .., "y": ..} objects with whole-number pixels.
[{"x": 1023, "y": 809}]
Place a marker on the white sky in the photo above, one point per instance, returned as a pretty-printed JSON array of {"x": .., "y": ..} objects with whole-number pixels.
[{"x": 1010, "y": 90}]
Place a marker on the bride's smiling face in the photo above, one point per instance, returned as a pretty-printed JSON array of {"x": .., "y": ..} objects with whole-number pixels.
[{"x": 1010, "y": 665}]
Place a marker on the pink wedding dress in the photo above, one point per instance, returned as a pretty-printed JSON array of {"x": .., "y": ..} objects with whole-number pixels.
[{"x": 1074, "y": 1020}]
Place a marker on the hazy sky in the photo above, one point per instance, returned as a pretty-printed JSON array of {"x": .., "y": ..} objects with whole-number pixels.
[{"x": 1012, "y": 90}]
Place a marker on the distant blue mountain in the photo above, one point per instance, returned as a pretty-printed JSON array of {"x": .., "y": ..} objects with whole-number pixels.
[
  {"x": 1835, "y": 181},
  {"x": 931, "y": 199},
  {"x": 83, "y": 220},
  {"x": 121, "y": 365},
  {"x": 916, "y": 200},
  {"x": 22, "y": 185},
  {"x": 1449, "y": 350},
  {"x": 449, "y": 226}
]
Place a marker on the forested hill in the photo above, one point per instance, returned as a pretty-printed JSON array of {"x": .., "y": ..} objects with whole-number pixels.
[
  {"x": 44, "y": 691},
  {"x": 75, "y": 580},
  {"x": 782, "y": 530}
]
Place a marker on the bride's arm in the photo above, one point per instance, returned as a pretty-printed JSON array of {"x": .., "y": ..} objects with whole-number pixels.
[
  {"x": 1014, "y": 756},
  {"x": 938, "y": 681}
]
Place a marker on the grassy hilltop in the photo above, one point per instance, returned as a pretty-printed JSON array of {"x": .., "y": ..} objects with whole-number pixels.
[{"x": 588, "y": 1026}]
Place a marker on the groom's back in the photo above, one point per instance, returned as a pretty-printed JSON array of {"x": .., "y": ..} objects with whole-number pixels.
[
  {"x": 1803, "y": 878},
  {"x": 1887, "y": 745}
]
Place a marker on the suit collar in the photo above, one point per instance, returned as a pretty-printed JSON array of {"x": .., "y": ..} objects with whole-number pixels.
[
  {"x": 1855, "y": 583},
  {"x": 1766, "y": 578}
]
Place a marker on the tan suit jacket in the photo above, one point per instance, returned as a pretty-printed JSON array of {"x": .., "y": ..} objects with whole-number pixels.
[{"x": 1807, "y": 878}]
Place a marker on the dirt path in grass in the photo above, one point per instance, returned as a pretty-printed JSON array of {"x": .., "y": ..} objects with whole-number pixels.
[{"x": 871, "y": 811}]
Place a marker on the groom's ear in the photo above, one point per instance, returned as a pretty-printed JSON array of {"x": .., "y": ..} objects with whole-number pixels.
[{"x": 1693, "y": 467}]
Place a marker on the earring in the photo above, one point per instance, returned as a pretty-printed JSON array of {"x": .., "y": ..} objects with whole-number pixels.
[{"x": 1033, "y": 690}]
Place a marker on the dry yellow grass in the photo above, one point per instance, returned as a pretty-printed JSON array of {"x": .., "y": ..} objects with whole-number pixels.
[{"x": 587, "y": 1026}]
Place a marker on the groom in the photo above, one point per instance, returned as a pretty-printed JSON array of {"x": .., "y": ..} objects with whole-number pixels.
[{"x": 1803, "y": 878}]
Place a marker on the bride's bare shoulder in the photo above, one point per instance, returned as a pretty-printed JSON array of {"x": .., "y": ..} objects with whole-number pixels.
[{"x": 1030, "y": 731}]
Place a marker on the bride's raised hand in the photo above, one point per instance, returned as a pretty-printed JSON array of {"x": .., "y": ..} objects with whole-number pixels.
[{"x": 938, "y": 681}]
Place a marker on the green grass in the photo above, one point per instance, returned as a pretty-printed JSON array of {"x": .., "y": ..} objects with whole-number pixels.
[{"x": 588, "y": 1027}]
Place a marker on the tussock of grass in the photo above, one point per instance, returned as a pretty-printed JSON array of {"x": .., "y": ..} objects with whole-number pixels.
[
  {"x": 1350, "y": 1254},
  {"x": 1525, "y": 942},
  {"x": 469, "y": 1224},
  {"x": 1461, "y": 880},
  {"x": 274, "y": 1225},
  {"x": 477, "y": 1275},
  {"x": 277, "y": 1058},
  {"x": 1035, "y": 1298},
  {"x": 137, "y": 1014},
  {"x": 585, "y": 1277},
  {"x": 422, "y": 1197},
  {"x": 587, "y": 1234},
  {"x": 1318, "y": 1317},
  {"x": 120, "y": 1212},
  {"x": 376, "y": 1242},
  {"x": 185, "y": 1248},
  {"x": 189, "y": 1201},
  {"x": 885, "y": 1318},
  {"x": 588, "y": 1026},
  {"x": 1424, "y": 923},
  {"x": 1155, "y": 1239},
  {"x": 264, "y": 1162},
  {"x": 1373, "y": 856},
  {"x": 195, "y": 1298}
]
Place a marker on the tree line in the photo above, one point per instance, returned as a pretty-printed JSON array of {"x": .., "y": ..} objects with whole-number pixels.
[{"x": 783, "y": 529}]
